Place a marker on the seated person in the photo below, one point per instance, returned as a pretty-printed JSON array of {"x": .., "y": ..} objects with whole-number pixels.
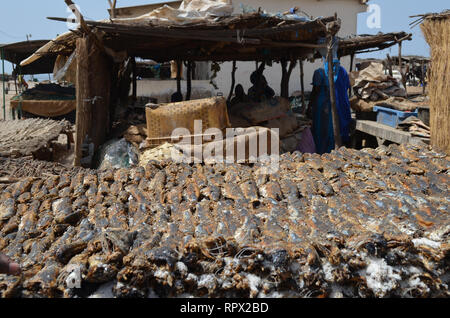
[
  {"x": 239, "y": 96},
  {"x": 176, "y": 97},
  {"x": 260, "y": 89}
]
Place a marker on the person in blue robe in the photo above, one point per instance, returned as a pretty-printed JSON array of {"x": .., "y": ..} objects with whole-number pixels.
[{"x": 320, "y": 107}]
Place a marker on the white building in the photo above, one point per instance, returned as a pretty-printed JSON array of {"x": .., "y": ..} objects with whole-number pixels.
[{"x": 347, "y": 11}]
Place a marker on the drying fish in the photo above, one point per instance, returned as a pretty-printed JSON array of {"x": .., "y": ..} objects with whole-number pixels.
[{"x": 338, "y": 225}]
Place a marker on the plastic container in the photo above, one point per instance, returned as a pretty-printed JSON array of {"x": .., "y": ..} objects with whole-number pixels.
[{"x": 392, "y": 117}]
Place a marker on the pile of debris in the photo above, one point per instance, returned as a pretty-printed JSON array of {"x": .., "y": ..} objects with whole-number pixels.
[
  {"x": 346, "y": 224},
  {"x": 371, "y": 86}
]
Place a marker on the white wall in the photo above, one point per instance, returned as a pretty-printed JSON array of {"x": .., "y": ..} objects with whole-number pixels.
[{"x": 347, "y": 11}]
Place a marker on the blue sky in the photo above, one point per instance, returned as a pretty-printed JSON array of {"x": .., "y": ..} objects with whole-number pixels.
[
  {"x": 21, "y": 17},
  {"x": 395, "y": 17}
]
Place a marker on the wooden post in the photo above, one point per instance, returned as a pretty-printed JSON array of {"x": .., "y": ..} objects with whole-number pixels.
[
  {"x": 189, "y": 80},
  {"x": 302, "y": 83},
  {"x": 352, "y": 59},
  {"x": 423, "y": 77},
  {"x": 401, "y": 67},
  {"x": 133, "y": 61},
  {"x": 233, "y": 81},
  {"x": 83, "y": 114},
  {"x": 391, "y": 74},
  {"x": 292, "y": 65},
  {"x": 15, "y": 83},
  {"x": 3, "y": 81},
  {"x": 334, "y": 112},
  {"x": 285, "y": 76},
  {"x": 112, "y": 4},
  {"x": 93, "y": 86},
  {"x": 179, "y": 76}
]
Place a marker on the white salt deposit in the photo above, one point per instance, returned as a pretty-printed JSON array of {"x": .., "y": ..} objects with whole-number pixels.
[
  {"x": 381, "y": 278},
  {"x": 426, "y": 242},
  {"x": 328, "y": 271},
  {"x": 254, "y": 283},
  {"x": 207, "y": 281}
]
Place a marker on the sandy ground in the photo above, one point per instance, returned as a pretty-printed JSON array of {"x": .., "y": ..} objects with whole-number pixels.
[{"x": 11, "y": 93}]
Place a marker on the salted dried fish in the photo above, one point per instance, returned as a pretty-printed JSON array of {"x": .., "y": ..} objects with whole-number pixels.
[{"x": 338, "y": 225}]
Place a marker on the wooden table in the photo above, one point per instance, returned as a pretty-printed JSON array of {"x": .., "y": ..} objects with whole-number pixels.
[{"x": 385, "y": 133}]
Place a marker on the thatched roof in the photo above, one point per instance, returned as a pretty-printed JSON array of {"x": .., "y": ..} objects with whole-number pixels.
[
  {"x": 362, "y": 43},
  {"x": 247, "y": 37},
  {"x": 244, "y": 37},
  {"x": 433, "y": 16},
  {"x": 436, "y": 30},
  {"x": 420, "y": 18}
]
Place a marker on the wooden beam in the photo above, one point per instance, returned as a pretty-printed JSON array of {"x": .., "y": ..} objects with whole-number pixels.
[
  {"x": 285, "y": 76},
  {"x": 112, "y": 4},
  {"x": 189, "y": 80},
  {"x": 178, "y": 76},
  {"x": 423, "y": 76},
  {"x": 400, "y": 63},
  {"x": 334, "y": 112},
  {"x": 284, "y": 72},
  {"x": 391, "y": 74},
  {"x": 352, "y": 58},
  {"x": 133, "y": 62},
  {"x": 233, "y": 80},
  {"x": 83, "y": 113},
  {"x": 302, "y": 84},
  {"x": 292, "y": 44}
]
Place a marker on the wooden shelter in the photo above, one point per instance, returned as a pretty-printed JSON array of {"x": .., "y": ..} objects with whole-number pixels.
[
  {"x": 436, "y": 28},
  {"x": 104, "y": 49},
  {"x": 17, "y": 52}
]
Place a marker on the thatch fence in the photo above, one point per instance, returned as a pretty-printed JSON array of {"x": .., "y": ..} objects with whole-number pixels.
[{"x": 436, "y": 28}]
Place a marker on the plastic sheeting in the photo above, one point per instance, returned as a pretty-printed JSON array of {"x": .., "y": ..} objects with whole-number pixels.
[
  {"x": 117, "y": 154},
  {"x": 65, "y": 68},
  {"x": 190, "y": 11}
]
